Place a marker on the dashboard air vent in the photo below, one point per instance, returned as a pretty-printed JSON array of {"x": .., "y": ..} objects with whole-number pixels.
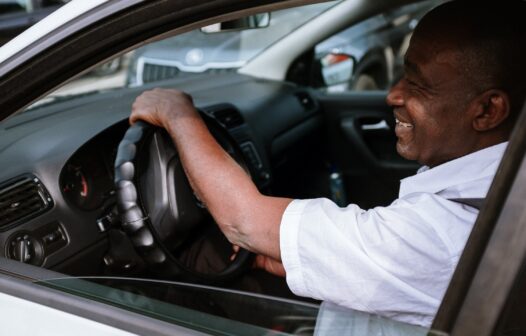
[
  {"x": 229, "y": 117},
  {"x": 21, "y": 199}
]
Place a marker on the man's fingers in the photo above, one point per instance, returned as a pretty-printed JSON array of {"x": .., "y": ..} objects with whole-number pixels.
[
  {"x": 146, "y": 107},
  {"x": 159, "y": 105}
]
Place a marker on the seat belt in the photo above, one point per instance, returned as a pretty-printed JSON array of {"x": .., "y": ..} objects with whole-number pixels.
[{"x": 472, "y": 202}]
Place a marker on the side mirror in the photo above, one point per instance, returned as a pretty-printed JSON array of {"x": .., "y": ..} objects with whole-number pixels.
[
  {"x": 337, "y": 68},
  {"x": 248, "y": 22}
]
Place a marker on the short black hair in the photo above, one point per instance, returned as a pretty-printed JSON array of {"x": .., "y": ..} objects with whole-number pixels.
[{"x": 494, "y": 49}]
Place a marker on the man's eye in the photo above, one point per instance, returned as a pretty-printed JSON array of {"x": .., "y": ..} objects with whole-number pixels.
[{"x": 413, "y": 84}]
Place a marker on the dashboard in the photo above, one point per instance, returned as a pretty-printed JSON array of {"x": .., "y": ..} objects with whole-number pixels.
[{"x": 63, "y": 153}]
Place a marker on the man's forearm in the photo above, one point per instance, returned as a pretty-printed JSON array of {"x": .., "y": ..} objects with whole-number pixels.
[{"x": 248, "y": 218}]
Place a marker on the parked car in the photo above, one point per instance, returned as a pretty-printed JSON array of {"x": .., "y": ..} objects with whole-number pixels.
[
  {"x": 18, "y": 15},
  {"x": 68, "y": 262}
]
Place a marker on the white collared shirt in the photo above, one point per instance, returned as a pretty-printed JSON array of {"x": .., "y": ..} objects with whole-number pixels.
[{"x": 395, "y": 261}]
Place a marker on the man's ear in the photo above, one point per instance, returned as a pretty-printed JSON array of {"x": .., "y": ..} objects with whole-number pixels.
[{"x": 492, "y": 107}]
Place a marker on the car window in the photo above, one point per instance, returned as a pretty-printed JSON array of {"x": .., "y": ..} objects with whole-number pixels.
[
  {"x": 221, "y": 311},
  {"x": 369, "y": 55}
]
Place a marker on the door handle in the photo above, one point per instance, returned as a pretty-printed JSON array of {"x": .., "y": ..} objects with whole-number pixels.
[
  {"x": 379, "y": 126},
  {"x": 350, "y": 128}
]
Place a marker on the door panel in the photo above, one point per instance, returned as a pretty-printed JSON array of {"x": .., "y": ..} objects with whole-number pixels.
[{"x": 362, "y": 145}]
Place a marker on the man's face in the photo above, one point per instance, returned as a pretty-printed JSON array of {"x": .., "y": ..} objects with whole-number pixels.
[{"x": 430, "y": 102}]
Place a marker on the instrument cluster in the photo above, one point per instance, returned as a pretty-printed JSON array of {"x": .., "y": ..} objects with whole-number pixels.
[{"x": 86, "y": 181}]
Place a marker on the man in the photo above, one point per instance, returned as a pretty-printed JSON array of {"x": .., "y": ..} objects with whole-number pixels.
[{"x": 455, "y": 109}]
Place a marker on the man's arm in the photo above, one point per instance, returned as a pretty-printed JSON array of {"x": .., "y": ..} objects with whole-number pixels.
[{"x": 246, "y": 217}]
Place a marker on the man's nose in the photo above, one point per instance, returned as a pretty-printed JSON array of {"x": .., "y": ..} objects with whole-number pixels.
[{"x": 395, "y": 97}]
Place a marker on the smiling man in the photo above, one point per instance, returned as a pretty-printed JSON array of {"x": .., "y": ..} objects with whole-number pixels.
[
  {"x": 455, "y": 107},
  {"x": 453, "y": 100}
]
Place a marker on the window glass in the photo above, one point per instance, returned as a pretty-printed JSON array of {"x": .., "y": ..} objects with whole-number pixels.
[
  {"x": 207, "y": 309},
  {"x": 221, "y": 311}
]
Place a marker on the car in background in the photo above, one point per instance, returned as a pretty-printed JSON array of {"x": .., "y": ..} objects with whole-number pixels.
[
  {"x": 376, "y": 46},
  {"x": 18, "y": 15}
]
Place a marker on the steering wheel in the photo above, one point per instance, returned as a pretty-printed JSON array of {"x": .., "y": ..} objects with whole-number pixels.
[{"x": 158, "y": 208}]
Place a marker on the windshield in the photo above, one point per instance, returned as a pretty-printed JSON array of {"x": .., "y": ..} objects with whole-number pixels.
[{"x": 190, "y": 54}]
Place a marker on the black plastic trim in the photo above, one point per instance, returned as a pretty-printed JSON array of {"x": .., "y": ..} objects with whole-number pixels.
[{"x": 43, "y": 193}]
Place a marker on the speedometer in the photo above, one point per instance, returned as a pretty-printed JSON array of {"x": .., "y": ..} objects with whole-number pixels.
[{"x": 76, "y": 187}]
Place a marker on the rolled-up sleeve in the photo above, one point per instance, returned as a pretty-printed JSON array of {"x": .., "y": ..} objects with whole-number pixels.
[
  {"x": 389, "y": 260},
  {"x": 289, "y": 246}
]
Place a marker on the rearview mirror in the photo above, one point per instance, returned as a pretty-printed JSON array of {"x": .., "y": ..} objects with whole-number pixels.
[
  {"x": 248, "y": 22},
  {"x": 336, "y": 68}
]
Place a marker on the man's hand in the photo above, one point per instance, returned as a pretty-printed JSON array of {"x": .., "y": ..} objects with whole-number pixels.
[{"x": 159, "y": 107}]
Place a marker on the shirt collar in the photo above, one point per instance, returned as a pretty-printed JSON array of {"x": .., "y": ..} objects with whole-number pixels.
[{"x": 471, "y": 167}]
